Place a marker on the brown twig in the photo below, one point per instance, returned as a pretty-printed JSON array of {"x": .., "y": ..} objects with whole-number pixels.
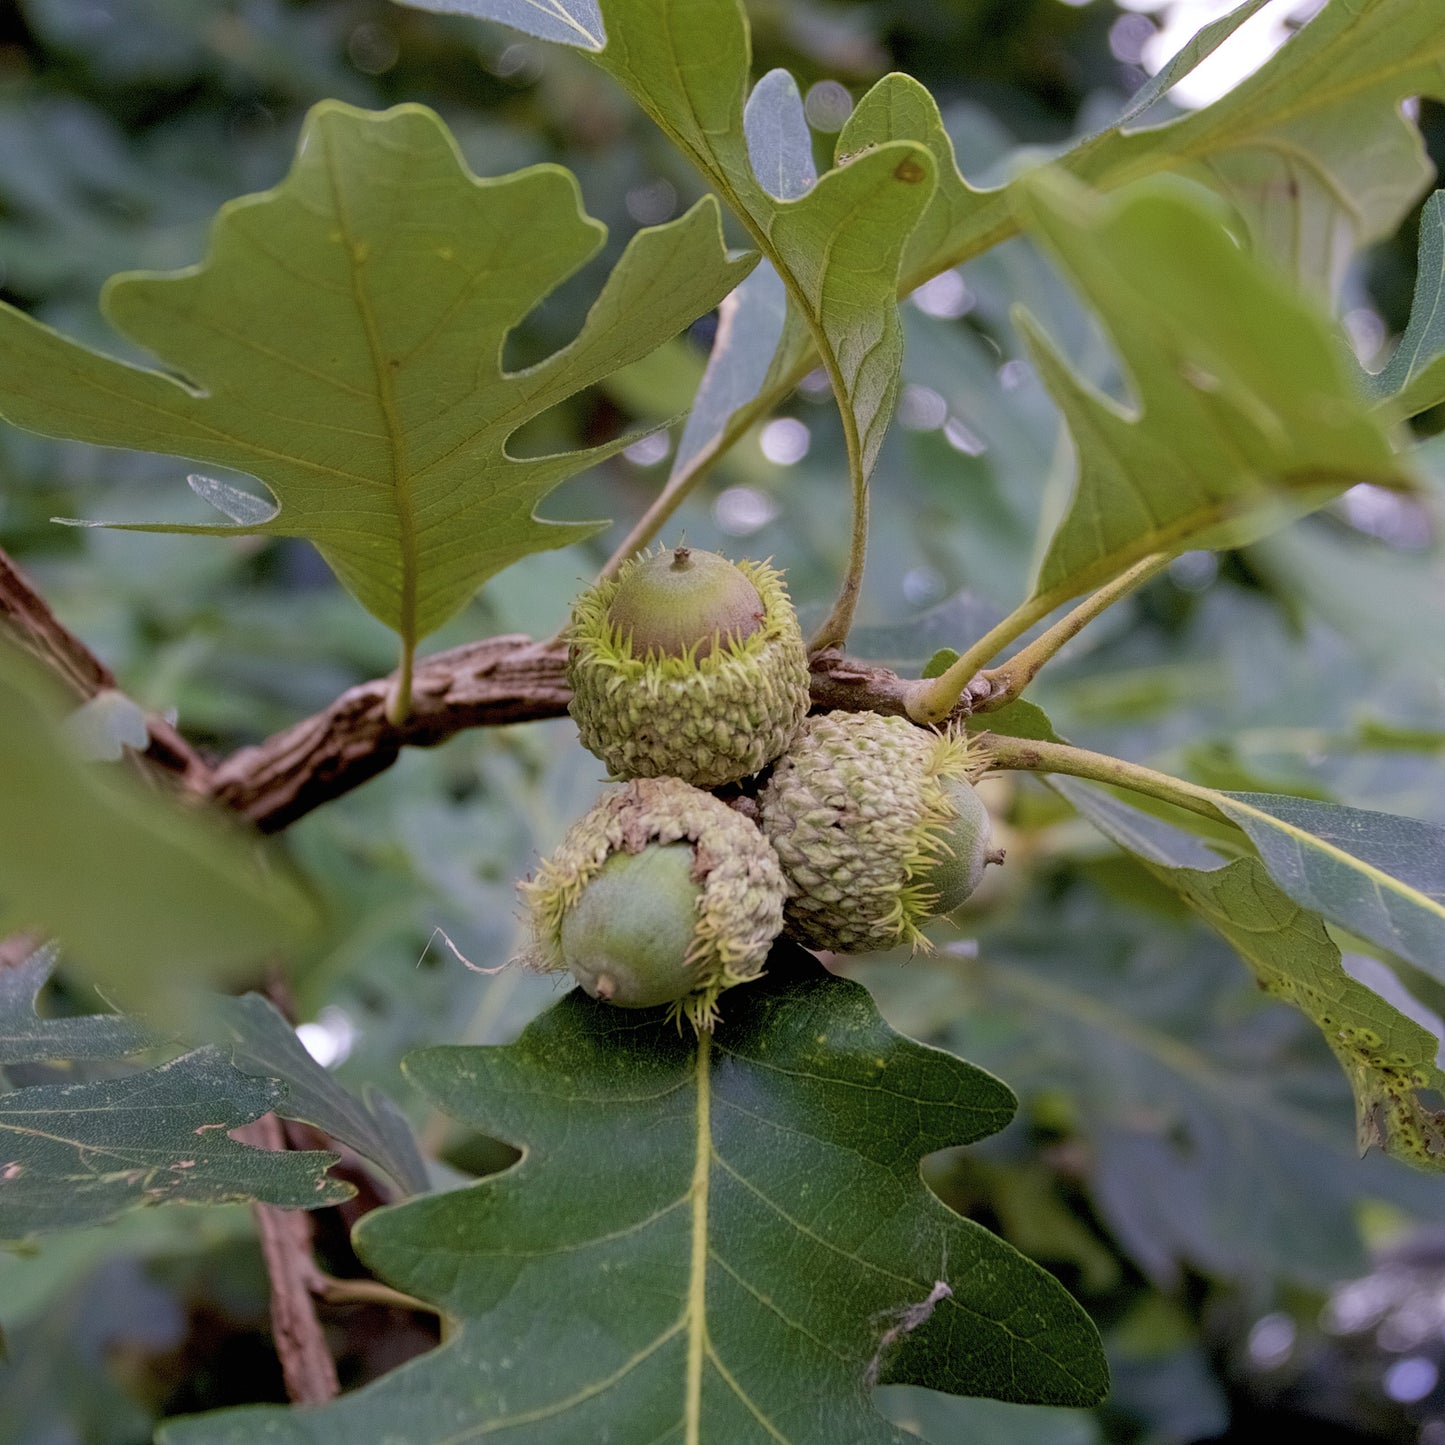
[
  {"x": 502, "y": 680},
  {"x": 27, "y": 618},
  {"x": 306, "y": 1363},
  {"x": 483, "y": 684}
]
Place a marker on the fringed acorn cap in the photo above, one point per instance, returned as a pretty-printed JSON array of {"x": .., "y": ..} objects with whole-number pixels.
[
  {"x": 661, "y": 894},
  {"x": 878, "y": 829},
  {"x": 687, "y": 665}
]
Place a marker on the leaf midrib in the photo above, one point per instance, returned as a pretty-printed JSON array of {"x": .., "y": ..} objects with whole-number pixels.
[
  {"x": 386, "y": 400},
  {"x": 696, "y": 1312},
  {"x": 1381, "y": 880}
]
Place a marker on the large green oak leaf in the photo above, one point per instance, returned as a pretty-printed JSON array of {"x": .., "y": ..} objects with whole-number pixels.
[
  {"x": 722, "y": 1239},
  {"x": 1246, "y": 408},
  {"x": 343, "y": 343}
]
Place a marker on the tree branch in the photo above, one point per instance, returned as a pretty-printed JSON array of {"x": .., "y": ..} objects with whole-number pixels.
[
  {"x": 26, "y": 617},
  {"x": 490, "y": 683},
  {"x": 501, "y": 680},
  {"x": 285, "y": 1235}
]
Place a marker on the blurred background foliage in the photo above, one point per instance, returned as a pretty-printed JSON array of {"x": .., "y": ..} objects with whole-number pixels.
[{"x": 1184, "y": 1155}]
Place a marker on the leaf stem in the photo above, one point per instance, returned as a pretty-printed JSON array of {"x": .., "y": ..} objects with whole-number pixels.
[
  {"x": 1009, "y": 680},
  {"x": 1040, "y": 757},
  {"x": 369, "y": 1291},
  {"x": 834, "y": 631},
  {"x": 934, "y": 699},
  {"x": 682, "y": 485},
  {"x": 398, "y": 696}
]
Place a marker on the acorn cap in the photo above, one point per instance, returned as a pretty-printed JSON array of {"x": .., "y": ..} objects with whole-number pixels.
[
  {"x": 878, "y": 828},
  {"x": 676, "y": 670},
  {"x": 660, "y": 894},
  {"x": 671, "y": 602}
]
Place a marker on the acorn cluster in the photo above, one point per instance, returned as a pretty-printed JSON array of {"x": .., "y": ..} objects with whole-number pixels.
[{"x": 848, "y": 831}]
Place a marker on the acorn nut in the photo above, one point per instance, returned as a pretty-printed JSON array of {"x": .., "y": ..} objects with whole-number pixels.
[
  {"x": 687, "y": 665},
  {"x": 878, "y": 828},
  {"x": 661, "y": 894}
]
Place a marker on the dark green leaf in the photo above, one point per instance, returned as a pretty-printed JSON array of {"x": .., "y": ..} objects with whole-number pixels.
[
  {"x": 77, "y": 1154},
  {"x": 26, "y": 1038},
  {"x": 939, "y": 663},
  {"x": 720, "y": 1239},
  {"x": 261, "y": 1043},
  {"x": 1020, "y": 719},
  {"x": 343, "y": 343},
  {"x": 1212, "y": 1128}
]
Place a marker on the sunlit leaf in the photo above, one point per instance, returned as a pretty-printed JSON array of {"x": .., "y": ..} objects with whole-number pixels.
[
  {"x": 715, "y": 1239},
  {"x": 1197, "y": 49},
  {"x": 961, "y": 219},
  {"x": 1414, "y": 378},
  {"x": 342, "y": 342},
  {"x": 838, "y": 247},
  {"x": 1246, "y": 410},
  {"x": 1312, "y": 152}
]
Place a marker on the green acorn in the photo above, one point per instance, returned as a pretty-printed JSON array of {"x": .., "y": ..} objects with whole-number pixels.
[
  {"x": 687, "y": 665},
  {"x": 661, "y": 894},
  {"x": 878, "y": 827}
]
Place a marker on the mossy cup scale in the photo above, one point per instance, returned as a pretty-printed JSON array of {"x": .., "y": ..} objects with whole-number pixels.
[
  {"x": 661, "y": 894},
  {"x": 687, "y": 665},
  {"x": 878, "y": 828}
]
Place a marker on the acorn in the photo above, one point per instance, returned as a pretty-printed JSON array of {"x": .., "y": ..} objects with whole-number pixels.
[
  {"x": 662, "y": 894},
  {"x": 878, "y": 827},
  {"x": 687, "y": 665}
]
